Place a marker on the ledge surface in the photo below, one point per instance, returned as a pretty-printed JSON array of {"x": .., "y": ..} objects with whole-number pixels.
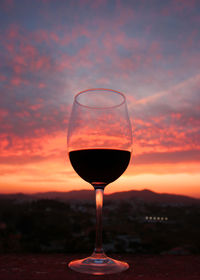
[{"x": 54, "y": 266}]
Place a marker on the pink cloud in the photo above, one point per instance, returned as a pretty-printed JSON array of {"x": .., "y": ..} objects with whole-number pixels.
[
  {"x": 168, "y": 157},
  {"x": 109, "y": 56},
  {"x": 2, "y": 78},
  {"x": 3, "y": 113},
  {"x": 42, "y": 85},
  {"x": 15, "y": 81},
  {"x": 13, "y": 31},
  {"x": 8, "y": 5},
  {"x": 178, "y": 6}
]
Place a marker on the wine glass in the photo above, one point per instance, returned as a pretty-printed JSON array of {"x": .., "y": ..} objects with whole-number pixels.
[{"x": 99, "y": 145}]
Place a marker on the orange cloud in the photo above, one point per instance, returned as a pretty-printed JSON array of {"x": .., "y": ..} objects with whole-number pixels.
[{"x": 130, "y": 48}]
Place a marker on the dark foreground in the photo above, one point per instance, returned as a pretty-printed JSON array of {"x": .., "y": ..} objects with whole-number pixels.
[{"x": 54, "y": 266}]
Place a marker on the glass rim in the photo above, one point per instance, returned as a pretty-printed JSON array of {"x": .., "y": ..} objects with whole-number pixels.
[{"x": 100, "y": 89}]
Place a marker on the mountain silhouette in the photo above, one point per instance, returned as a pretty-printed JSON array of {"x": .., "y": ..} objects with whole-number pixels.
[{"x": 145, "y": 195}]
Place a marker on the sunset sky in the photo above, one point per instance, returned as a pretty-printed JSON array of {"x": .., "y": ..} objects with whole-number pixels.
[{"x": 148, "y": 49}]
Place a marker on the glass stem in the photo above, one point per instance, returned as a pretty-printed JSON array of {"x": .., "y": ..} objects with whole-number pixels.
[{"x": 99, "y": 205}]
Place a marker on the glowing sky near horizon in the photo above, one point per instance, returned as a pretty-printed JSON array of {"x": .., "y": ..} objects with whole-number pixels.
[{"x": 148, "y": 49}]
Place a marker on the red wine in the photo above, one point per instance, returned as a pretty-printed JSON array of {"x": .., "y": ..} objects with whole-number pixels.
[{"x": 99, "y": 166}]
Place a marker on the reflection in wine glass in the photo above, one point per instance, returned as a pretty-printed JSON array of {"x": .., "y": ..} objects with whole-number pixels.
[{"x": 99, "y": 145}]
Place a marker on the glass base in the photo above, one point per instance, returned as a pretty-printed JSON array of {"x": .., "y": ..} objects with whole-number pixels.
[{"x": 98, "y": 264}]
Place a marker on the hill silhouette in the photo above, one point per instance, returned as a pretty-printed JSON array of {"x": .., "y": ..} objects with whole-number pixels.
[{"x": 88, "y": 195}]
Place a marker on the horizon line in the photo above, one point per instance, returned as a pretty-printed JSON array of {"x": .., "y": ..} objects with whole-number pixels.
[{"x": 105, "y": 194}]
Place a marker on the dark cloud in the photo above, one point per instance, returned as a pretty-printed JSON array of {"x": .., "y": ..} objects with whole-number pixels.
[{"x": 50, "y": 51}]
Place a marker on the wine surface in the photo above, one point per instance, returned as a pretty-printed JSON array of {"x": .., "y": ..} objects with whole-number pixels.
[{"x": 100, "y": 166}]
